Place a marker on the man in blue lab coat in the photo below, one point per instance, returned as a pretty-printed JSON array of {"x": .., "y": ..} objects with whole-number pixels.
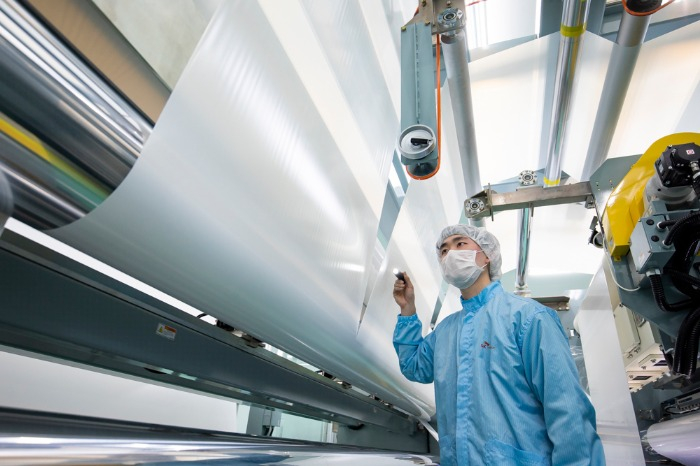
[{"x": 506, "y": 388}]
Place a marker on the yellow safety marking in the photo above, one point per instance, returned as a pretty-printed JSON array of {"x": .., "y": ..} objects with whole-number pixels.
[
  {"x": 28, "y": 141},
  {"x": 572, "y": 31},
  {"x": 31, "y": 142},
  {"x": 549, "y": 182}
]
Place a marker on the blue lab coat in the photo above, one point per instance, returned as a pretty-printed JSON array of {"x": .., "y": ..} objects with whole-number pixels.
[{"x": 506, "y": 388}]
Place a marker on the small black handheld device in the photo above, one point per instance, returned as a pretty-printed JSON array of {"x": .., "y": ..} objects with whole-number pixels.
[{"x": 398, "y": 274}]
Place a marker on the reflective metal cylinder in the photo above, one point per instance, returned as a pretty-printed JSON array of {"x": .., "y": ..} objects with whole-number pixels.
[
  {"x": 573, "y": 26},
  {"x": 456, "y": 53},
  {"x": 67, "y": 139},
  {"x": 524, "y": 228}
]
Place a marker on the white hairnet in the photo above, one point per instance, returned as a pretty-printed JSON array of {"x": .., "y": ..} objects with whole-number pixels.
[{"x": 486, "y": 241}]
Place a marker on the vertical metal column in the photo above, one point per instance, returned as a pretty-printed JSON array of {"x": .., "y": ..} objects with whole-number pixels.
[
  {"x": 624, "y": 56},
  {"x": 573, "y": 25},
  {"x": 524, "y": 226}
]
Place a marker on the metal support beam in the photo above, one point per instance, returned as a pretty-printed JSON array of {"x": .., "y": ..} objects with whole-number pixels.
[
  {"x": 57, "y": 307},
  {"x": 596, "y": 13},
  {"x": 488, "y": 202}
]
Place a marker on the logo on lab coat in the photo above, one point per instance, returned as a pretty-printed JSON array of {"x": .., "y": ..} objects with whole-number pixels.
[{"x": 486, "y": 345}]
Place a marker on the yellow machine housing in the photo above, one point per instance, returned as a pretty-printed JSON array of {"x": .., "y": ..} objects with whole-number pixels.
[{"x": 625, "y": 205}]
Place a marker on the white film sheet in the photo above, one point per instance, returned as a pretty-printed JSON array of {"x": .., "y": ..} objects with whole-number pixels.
[{"x": 254, "y": 203}]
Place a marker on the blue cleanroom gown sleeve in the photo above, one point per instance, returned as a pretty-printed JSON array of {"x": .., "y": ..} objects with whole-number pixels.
[
  {"x": 506, "y": 388},
  {"x": 415, "y": 352},
  {"x": 568, "y": 415}
]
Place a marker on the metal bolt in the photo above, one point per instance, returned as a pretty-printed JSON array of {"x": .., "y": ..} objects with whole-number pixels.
[
  {"x": 655, "y": 238},
  {"x": 650, "y": 221}
]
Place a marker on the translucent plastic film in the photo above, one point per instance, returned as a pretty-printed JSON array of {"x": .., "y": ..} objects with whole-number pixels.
[
  {"x": 615, "y": 417},
  {"x": 256, "y": 199}
]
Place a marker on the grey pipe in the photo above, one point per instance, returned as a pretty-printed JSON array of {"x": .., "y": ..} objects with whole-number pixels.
[
  {"x": 524, "y": 227},
  {"x": 455, "y": 52},
  {"x": 573, "y": 26},
  {"x": 87, "y": 136},
  {"x": 629, "y": 41}
]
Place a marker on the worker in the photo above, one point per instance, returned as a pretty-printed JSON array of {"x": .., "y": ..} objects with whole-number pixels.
[{"x": 506, "y": 388}]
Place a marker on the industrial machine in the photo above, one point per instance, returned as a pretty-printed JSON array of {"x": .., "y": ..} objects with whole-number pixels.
[
  {"x": 651, "y": 235},
  {"x": 75, "y": 163},
  {"x": 650, "y": 224}
]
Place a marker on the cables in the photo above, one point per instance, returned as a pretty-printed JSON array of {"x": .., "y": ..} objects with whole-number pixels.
[
  {"x": 691, "y": 219},
  {"x": 684, "y": 235},
  {"x": 686, "y": 350},
  {"x": 657, "y": 290},
  {"x": 629, "y": 290}
]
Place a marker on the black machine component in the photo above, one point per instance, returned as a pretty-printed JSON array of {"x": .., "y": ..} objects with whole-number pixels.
[
  {"x": 679, "y": 165},
  {"x": 678, "y": 168},
  {"x": 682, "y": 404},
  {"x": 684, "y": 235}
]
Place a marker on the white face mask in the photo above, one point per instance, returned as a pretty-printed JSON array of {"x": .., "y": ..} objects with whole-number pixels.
[{"x": 459, "y": 268}]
